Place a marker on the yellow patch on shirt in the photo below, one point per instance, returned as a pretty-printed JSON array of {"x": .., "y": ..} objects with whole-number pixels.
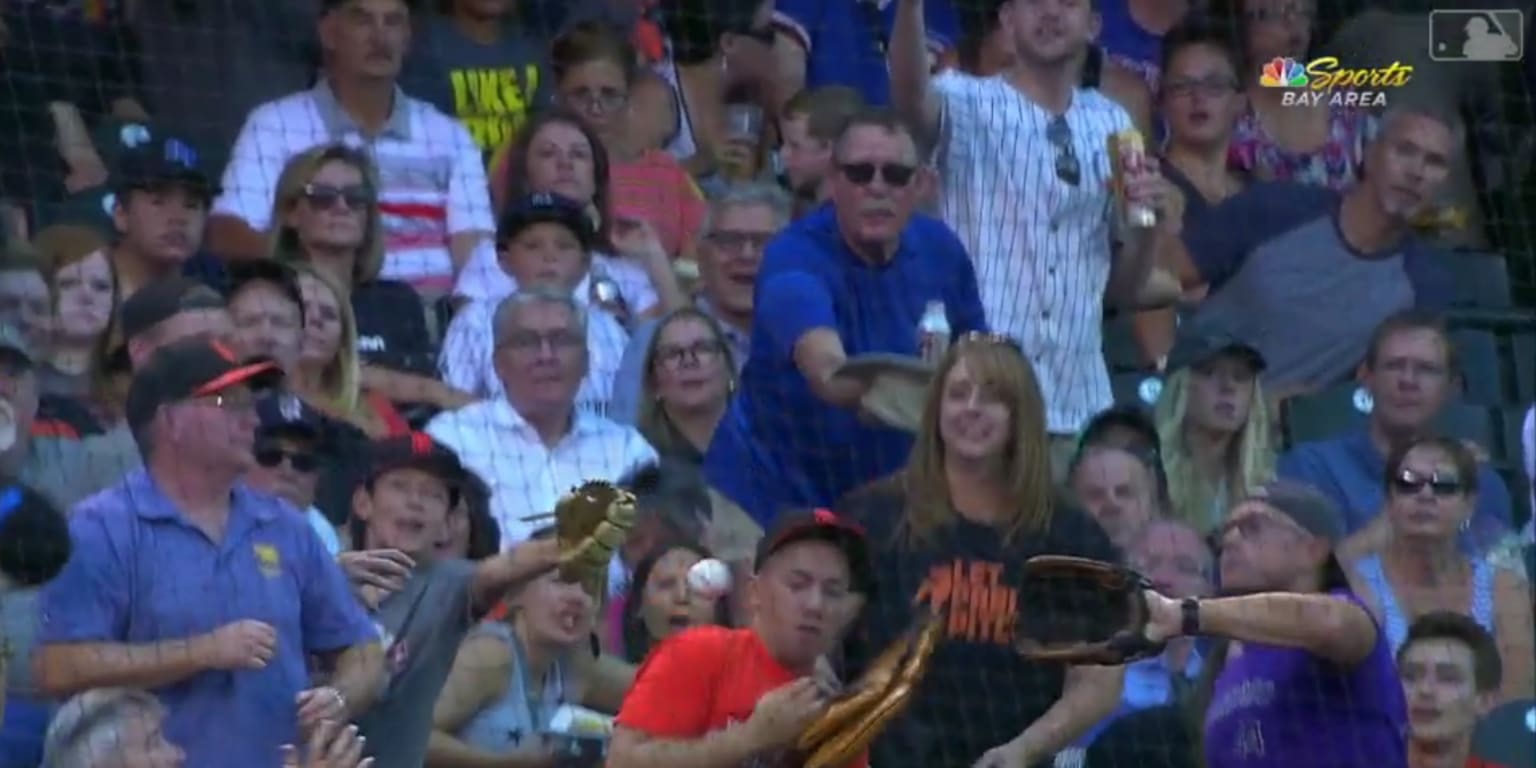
[{"x": 268, "y": 561}]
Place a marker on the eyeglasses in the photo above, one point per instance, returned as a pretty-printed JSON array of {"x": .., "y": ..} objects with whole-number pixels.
[
  {"x": 737, "y": 242},
  {"x": 674, "y": 357},
  {"x": 1410, "y": 483},
  {"x": 271, "y": 455},
  {"x": 1059, "y": 134},
  {"x": 893, "y": 174},
  {"x": 529, "y": 341},
  {"x": 356, "y": 197},
  {"x": 602, "y": 99},
  {"x": 1209, "y": 87}
]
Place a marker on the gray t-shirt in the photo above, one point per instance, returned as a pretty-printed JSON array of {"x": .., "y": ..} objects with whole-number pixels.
[
  {"x": 421, "y": 627},
  {"x": 68, "y": 470},
  {"x": 1283, "y": 279},
  {"x": 492, "y": 89}
]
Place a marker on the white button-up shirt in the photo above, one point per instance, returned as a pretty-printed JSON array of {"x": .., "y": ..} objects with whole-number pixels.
[
  {"x": 470, "y": 345},
  {"x": 431, "y": 176},
  {"x": 526, "y": 477},
  {"x": 1041, "y": 246}
]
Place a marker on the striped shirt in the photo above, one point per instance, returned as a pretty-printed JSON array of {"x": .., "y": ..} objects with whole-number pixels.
[
  {"x": 431, "y": 176},
  {"x": 466, "y": 360},
  {"x": 1041, "y": 246}
]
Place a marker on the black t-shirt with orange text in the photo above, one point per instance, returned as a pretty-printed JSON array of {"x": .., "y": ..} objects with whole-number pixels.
[{"x": 978, "y": 692}]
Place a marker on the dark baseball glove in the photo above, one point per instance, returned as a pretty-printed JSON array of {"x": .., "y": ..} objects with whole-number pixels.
[
  {"x": 1075, "y": 610},
  {"x": 591, "y": 523},
  {"x": 858, "y": 714}
]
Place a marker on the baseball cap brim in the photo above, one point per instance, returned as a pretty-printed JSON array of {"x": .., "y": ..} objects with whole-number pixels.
[
  {"x": 260, "y": 373},
  {"x": 516, "y": 221}
]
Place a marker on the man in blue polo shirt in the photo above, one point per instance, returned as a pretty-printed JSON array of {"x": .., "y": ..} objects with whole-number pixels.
[
  {"x": 1304, "y": 274},
  {"x": 851, "y": 278},
  {"x": 187, "y": 583}
]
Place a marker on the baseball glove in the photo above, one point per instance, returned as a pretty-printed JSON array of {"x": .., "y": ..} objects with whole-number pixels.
[
  {"x": 862, "y": 710},
  {"x": 1082, "y": 611},
  {"x": 591, "y": 523}
]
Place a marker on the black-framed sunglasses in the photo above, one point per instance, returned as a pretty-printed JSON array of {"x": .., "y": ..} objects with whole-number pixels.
[
  {"x": 893, "y": 174},
  {"x": 272, "y": 455},
  {"x": 1059, "y": 134},
  {"x": 1410, "y": 483},
  {"x": 357, "y": 197}
]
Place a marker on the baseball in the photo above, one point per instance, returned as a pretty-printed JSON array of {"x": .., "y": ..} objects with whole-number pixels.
[{"x": 709, "y": 578}]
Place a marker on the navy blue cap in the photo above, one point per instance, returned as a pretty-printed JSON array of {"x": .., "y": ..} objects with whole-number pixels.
[
  {"x": 162, "y": 159},
  {"x": 543, "y": 208},
  {"x": 1197, "y": 346},
  {"x": 288, "y": 413}
]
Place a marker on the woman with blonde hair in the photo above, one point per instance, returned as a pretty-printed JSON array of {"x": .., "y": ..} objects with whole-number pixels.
[
  {"x": 1214, "y": 424},
  {"x": 329, "y": 373},
  {"x": 689, "y": 377},
  {"x": 952, "y": 530},
  {"x": 326, "y": 214}
]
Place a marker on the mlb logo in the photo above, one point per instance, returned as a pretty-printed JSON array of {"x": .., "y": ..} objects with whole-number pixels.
[{"x": 1477, "y": 35}]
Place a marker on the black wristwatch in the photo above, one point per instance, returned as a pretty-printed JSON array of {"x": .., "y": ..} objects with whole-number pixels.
[{"x": 1190, "y": 608}]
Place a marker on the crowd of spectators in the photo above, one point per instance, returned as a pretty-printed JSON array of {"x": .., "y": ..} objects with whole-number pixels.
[{"x": 312, "y": 311}]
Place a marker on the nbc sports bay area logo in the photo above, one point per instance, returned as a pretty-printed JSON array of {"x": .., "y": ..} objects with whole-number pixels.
[{"x": 1325, "y": 80}]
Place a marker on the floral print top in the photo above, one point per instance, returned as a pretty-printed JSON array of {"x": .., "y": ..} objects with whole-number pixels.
[{"x": 1336, "y": 164}]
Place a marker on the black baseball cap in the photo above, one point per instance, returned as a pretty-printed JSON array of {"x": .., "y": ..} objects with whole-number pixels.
[
  {"x": 193, "y": 367},
  {"x": 543, "y": 208},
  {"x": 34, "y": 536},
  {"x": 823, "y": 525},
  {"x": 1197, "y": 346},
  {"x": 162, "y": 159},
  {"x": 162, "y": 300},
  {"x": 286, "y": 413},
  {"x": 417, "y": 450},
  {"x": 278, "y": 273},
  {"x": 1313, "y": 512}
]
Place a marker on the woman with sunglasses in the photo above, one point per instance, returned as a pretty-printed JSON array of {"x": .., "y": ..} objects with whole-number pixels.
[
  {"x": 1431, "y": 486},
  {"x": 952, "y": 528},
  {"x": 325, "y": 213}
]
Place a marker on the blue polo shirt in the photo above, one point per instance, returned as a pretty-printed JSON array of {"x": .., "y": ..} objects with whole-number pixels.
[
  {"x": 1349, "y": 470},
  {"x": 844, "y": 40},
  {"x": 141, "y": 574},
  {"x": 778, "y": 445}
]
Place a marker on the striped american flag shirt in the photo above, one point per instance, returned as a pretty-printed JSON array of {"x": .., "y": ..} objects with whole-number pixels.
[{"x": 1041, "y": 246}]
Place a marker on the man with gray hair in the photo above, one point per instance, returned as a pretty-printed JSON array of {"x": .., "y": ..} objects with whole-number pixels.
[
  {"x": 533, "y": 444},
  {"x": 122, "y": 728},
  {"x": 741, "y": 220},
  {"x": 1304, "y": 274}
]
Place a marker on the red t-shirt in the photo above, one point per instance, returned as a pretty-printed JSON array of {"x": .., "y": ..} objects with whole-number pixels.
[{"x": 702, "y": 680}]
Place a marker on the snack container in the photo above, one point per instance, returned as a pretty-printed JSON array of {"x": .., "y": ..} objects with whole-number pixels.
[{"x": 1128, "y": 156}]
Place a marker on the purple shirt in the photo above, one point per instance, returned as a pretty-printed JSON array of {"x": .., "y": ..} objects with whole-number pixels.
[
  {"x": 140, "y": 574},
  {"x": 1282, "y": 708}
]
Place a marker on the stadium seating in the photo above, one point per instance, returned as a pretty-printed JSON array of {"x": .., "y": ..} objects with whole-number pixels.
[{"x": 1339, "y": 408}]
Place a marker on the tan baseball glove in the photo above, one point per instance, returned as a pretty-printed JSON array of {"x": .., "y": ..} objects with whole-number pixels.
[
  {"x": 591, "y": 523},
  {"x": 1083, "y": 611},
  {"x": 862, "y": 710}
]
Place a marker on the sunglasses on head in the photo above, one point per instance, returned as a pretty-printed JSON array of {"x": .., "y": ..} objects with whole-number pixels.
[
  {"x": 1410, "y": 483},
  {"x": 893, "y": 174},
  {"x": 326, "y": 196},
  {"x": 271, "y": 455}
]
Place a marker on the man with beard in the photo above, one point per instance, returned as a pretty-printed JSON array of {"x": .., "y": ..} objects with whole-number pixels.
[
  {"x": 159, "y": 208},
  {"x": 1304, "y": 274}
]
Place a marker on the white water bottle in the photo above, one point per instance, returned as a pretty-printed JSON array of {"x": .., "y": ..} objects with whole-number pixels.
[{"x": 933, "y": 333}]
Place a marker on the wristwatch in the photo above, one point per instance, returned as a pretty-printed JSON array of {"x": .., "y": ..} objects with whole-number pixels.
[{"x": 1190, "y": 608}]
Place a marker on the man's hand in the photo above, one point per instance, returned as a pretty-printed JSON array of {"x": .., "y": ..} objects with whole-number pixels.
[
  {"x": 331, "y": 745},
  {"x": 1147, "y": 186},
  {"x": 1013, "y": 754},
  {"x": 376, "y": 573},
  {"x": 1165, "y": 618},
  {"x": 318, "y": 705},
  {"x": 636, "y": 238},
  {"x": 245, "y": 644},
  {"x": 783, "y": 713}
]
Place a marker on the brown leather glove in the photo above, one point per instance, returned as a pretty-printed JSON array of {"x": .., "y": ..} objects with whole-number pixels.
[
  {"x": 591, "y": 523},
  {"x": 1083, "y": 611}
]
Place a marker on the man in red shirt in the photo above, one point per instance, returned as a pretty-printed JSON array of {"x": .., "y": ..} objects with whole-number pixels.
[{"x": 713, "y": 697}]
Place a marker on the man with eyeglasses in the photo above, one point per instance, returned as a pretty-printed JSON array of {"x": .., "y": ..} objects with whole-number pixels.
[
  {"x": 740, "y": 222},
  {"x": 188, "y": 583},
  {"x": 289, "y": 447},
  {"x": 1027, "y": 186},
  {"x": 855, "y": 277}
]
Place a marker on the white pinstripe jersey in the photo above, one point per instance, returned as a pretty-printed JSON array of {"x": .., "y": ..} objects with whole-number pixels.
[{"x": 1041, "y": 247}]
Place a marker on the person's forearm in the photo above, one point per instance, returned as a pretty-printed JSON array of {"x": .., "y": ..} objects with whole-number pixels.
[
  {"x": 403, "y": 387},
  {"x": 1137, "y": 256},
  {"x": 359, "y": 676},
  {"x": 65, "y": 670},
  {"x": 1319, "y": 623},
  {"x": 231, "y": 239},
  {"x": 445, "y": 750},
  {"x": 462, "y": 247},
  {"x": 1089, "y": 695},
  {"x": 721, "y": 749},
  {"x": 497, "y": 576},
  {"x": 909, "y": 58}
]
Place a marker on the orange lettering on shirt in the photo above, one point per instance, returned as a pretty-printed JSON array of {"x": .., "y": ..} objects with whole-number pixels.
[{"x": 979, "y": 607}]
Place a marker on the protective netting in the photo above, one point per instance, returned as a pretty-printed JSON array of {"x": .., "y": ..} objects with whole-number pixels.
[{"x": 142, "y": 138}]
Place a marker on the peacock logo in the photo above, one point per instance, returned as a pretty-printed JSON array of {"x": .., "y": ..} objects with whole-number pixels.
[{"x": 1283, "y": 73}]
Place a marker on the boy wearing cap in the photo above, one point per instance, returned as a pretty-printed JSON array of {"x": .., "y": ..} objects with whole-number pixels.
[
  {"x": 1306, "y": 676},
  {"x": 712, "y": 696},
  {"x": 159, "y": 207},
  {"x": 423, "y": 605},
  {"x": 289, "y": 437},
  {"x": 188, "y": 583}
]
